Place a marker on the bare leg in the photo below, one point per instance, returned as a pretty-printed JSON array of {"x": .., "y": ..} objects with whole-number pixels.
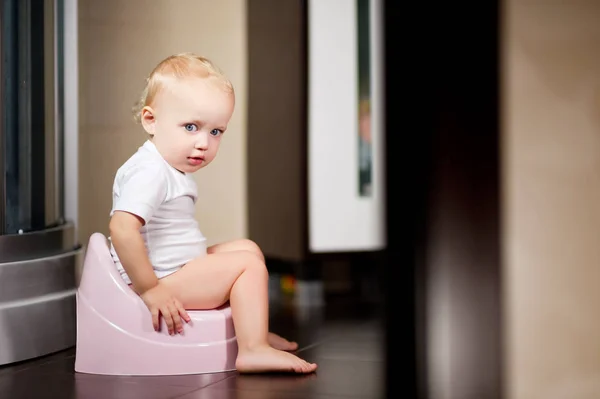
[
  {"x": 275, "y": 340},
  {"x": 241, "y": 278}
]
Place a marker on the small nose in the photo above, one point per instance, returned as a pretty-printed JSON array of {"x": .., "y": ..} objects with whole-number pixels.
[{"x": 201, "y": 141}]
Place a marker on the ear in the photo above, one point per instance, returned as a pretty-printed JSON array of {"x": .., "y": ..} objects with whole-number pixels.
[{"x": 148, "y": 120}]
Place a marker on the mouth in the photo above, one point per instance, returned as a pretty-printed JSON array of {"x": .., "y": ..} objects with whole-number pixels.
[{"x": 195, "y": 160}]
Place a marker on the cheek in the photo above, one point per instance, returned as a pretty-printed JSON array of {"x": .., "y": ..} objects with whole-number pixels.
[
  {"x": 180, "y": 141},
  {"x": 215, "y": 147}
]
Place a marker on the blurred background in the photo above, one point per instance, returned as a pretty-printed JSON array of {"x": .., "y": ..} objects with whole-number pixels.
[{"x": 437, "y": 165}]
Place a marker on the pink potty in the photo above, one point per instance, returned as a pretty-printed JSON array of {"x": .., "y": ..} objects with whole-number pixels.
[{"x": 115, "y": 334}]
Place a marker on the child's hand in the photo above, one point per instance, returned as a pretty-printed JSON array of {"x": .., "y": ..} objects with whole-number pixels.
[{"x": 160, "y": 301}]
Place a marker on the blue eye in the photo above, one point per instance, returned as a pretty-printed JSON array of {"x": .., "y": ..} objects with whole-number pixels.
[
  {"x": 216, "y": 132},
  {"x": 190, "y": 127}
]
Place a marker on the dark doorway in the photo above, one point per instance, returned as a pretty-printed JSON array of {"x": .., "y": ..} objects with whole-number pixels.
[{"x": 443, "y": 277}]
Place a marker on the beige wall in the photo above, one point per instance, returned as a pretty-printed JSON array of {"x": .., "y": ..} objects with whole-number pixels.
[
  {"x": 119, "y": 43},
  {"x": 551, "y": 148}
]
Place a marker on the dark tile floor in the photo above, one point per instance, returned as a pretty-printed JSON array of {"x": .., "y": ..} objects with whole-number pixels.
[{"x": 345, "y": 338}]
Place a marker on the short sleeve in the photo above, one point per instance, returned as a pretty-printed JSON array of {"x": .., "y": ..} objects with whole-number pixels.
[{"x": 141, "y": 190}]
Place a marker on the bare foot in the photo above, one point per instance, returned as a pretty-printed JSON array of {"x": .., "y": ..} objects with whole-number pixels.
[
  {"x": 278, "y": 342},
  {"x": 268, "y": 360}
]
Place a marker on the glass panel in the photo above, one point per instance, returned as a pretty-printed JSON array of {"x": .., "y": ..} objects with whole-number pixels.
[
  {"x": 365, "y": 151},
  {"x": 31, "y": 127}
]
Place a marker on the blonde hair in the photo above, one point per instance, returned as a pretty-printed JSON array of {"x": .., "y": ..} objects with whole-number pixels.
[{"x": 183, "y": 65}]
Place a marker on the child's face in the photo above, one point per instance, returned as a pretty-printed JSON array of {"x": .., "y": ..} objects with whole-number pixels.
[{"x": 187, "y": 119}]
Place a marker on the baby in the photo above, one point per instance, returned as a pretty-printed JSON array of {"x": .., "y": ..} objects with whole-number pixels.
[{"x": 155, "y": 241}]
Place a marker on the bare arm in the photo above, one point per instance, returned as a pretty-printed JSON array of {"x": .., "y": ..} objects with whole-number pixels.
[{"x": 128, "y": 242}]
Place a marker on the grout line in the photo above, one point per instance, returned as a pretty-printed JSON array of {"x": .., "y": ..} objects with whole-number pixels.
[{"x": 313, "y": 345}]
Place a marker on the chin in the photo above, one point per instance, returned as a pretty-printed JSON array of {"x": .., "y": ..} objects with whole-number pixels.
[{"x": 192, "y": 169}]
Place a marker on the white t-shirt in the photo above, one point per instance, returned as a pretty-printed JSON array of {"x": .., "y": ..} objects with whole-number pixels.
[{"x": 147, "y": 186}]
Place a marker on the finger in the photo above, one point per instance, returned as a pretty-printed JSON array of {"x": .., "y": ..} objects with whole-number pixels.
[
  {"x": 155, "y": 323},
  {"x": 176, "y": 318},
  {"x": 166, "y": 314},
  {"x": 182, "y": 312}
]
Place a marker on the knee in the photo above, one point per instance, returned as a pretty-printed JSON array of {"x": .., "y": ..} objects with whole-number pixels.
[
  {"x": 251, "y": 246},
  {"x": 253, "y": 263}
]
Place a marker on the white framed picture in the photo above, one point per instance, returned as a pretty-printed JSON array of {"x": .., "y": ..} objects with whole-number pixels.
[{"x": 345, "y": 126}]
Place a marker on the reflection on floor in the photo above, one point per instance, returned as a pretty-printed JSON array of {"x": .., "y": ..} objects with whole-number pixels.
[{"x": 344, "y": 337}]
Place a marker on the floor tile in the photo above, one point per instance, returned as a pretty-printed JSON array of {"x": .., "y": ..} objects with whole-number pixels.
[
  {"x": 362, "y": 379},
  {"x": 34, "y": 385},
  {"x": 27, "y": 364},
  {"x": 215, "y": 393}
]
